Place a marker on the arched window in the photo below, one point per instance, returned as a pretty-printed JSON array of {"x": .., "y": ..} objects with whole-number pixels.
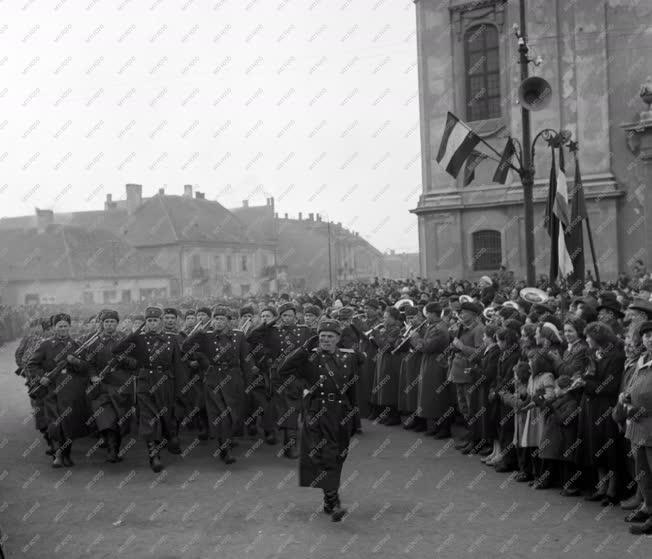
[
  {"x": 482, "y": 72},
  {"x": 487, "y": 250}
]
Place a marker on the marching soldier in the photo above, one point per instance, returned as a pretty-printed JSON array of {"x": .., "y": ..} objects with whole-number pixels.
[
  {"x": 351, "y": 339},
  {"x": 39, "y": 330},
  {"x": 157, "y": 362},
  {"x": 56, "y": 378},
  {"x": 327, "y": 422},
  {"x": 292, "y": 336},
  {"x": 265, "y": 347},
  {"x": 111, "y": 391},
  {"x": 223, "y": 355}
]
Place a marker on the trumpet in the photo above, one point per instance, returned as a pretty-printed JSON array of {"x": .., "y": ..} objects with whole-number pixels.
[
  {"x": 370, "y": 331},
  {"x": 246, "y": 325}
]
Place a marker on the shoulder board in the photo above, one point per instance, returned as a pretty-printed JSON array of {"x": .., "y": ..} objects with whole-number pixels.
[{"x": 346, "y": 350}]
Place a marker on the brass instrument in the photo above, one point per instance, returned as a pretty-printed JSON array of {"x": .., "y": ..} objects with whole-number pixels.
[
  {"x": 409, "y": 331},
  {"x": 246, "y": 325},
  {"x": 533, "y": 295},
  {"x": 402, "y": 302},
  {"x": 466, "y": 299},
  {"x": 369, "y": 332}
]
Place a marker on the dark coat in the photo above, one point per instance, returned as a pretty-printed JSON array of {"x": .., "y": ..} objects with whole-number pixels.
[
  {"x": 65, "y": 406},
  {"x": 329, "y": 410},
  {"x": 575, "y": 360},
  {"x": 223, "y": 358},
  {"x": 435, "y": 395},
  {"x": 483, "y": 425},
  {"x": 388, "y": 365},
  {"x": 599, "y": 439},
  {"x": 112, "y": 399},
  {"x": 502, "y": 412},
  {"x": 157, "y": 358},
  {"x": 559, "y": 437},
  {"x": 408, "y": 382}
]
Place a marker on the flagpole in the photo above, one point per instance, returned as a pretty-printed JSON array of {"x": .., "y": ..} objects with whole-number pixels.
[{"x": 595, "y": 262}]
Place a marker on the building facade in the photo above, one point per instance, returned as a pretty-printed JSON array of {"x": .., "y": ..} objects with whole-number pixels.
[{"x": 594, "y": 55}]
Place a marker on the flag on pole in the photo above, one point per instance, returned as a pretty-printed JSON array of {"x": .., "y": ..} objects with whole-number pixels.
[
  {"x": 457, "y": 144},
  {"x": 574, "y": 231},
  {"x": 500, "y": 176},
  {"x": 472, "y": 162},
  {"x": 551, "y": 222},
  {"x": 562, "y": 212}
]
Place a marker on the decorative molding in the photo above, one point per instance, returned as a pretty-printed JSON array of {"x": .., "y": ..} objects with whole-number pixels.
[
  {"x": 639, "y": 138},
  {"x": 464, "y": 15}
]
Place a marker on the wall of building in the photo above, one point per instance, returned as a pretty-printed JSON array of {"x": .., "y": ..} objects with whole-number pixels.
[
  {"x": 91, "y": 291},
  {"x": 592, "y": 58}
]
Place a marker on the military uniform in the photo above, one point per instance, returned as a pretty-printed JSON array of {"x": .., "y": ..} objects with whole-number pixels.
[
  {"x": 288, "y": 397},
  {"x": 223, "y": 362},
  {"x": 385, "y": 382},
  {"x": 112, "y": 398},
  {"x": 157, "y": 361},
  {"x": 65, "y": 408},
  {"x": 28, "y": 345},
  {"x": 329, "y": 408}
]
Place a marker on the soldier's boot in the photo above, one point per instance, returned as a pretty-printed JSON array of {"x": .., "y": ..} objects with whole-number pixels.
[
  {"x": 154, "y": 459},
  {"x": 113, "y": 446},
  {"x": 225, "y": 452},
  {"x": 57, "y": 459},
  {"x": 333, "y": 506},
  {"x": 290, "y": 444},
  {"x": 270, "y": 437},
  {"x": 203, "y": 433},
  {"x": 50, "y": 449},
  {"x": 173, "y": 444},
  {"x": 65, "y": 455}
]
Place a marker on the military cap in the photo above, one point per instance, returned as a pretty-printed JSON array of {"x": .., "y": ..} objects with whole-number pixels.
[
  {"x": 205, "y": 310},
  {"x": 411, "y": 311},
  {"x": 56, "y": 318},
  {"x": 222, "y": 311},
  {"x": 329, "y": 325},
  {"x": 312, "y": 309},
  {"x": 171, "y": 310},
  {"x": 106, "y": 314},
  {"x": 284, "y": 297},
  {"x": 345, "y": 313},
  {"x": 471, "y": 306},
  {"x": 269, "y": 308},
  {"x": 286, "y": 307},
  {"x": 189, "y": 312},
  {"x": 138, "y": 317},
  {"x": 247, "y": 309},
  {"x": 153, "y": 312},
  {"x": 433, "y": 307}
]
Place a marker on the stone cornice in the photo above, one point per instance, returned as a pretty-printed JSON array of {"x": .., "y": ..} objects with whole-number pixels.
[{"x": 596, "y": 187}]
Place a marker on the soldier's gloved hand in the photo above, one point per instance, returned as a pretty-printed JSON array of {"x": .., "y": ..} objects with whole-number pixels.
[
  {"x": 194, "y": 364},
  {"x": 74, "y": 360},
  {"x": 44, "y": 381},
  {"x": 95, "y": 379}
]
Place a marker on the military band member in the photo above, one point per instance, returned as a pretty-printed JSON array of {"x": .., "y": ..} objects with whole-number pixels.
[
  {"x": 408, "y": 384},
  {"x": 157, "y": 362},
  {"x": 373, "y": 320},
  {"x": 311, "y": 314},
  {"x": 111, "y": 390},
  {"x": 137, "y": 321},
  {"x": 327, "y": 372},
  {"x": 351, "y": 339},
  {"x": 66, "y": 412},
  {"x": 223, "y": 352},
  {"x": 264, "y": 349}
]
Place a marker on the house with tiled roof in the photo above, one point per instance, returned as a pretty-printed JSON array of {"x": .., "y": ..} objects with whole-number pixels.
[{"x": 54, "y": 263}]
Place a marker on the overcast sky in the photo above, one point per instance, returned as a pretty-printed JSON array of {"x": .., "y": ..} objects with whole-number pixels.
[{"x": 313, "y": 102}]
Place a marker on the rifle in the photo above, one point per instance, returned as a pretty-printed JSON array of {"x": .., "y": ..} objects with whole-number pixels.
[{"x": 37, "y": 390}]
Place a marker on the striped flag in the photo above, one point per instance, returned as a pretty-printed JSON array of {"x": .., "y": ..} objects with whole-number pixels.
[
  {"x": 472, "y": 162},
  {"x": 500, "y": 176},
  {"x": 574, "y": 232},
  {"x": 561, "y": 210},
  {"x": 457, "y": 144}
]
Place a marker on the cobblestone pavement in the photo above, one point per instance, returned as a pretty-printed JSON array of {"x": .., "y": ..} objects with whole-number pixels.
[{"x": 408, "y": 496}]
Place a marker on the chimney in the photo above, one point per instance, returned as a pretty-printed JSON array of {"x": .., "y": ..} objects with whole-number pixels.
[
  {"x": 161, "y": 191},
  {"x": 300, "y": 216},
  {"x": 245, "y": 203},
  {"x": 311, "y": 217},
  {"x": 44, "y": 218},
  {"x": 199, "y": 195},
  {"x": 339, "y": 225},
  {"x": 109, "y": 204},
  {"x": 318, "y": 217},
  {"x": 286, "y": 216},
  {"x": 270, "y": 202},
  {"x": 187, "y": 190},
  {"x": 134, "y": 197}
]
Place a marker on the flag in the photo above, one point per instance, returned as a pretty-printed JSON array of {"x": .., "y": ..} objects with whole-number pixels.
[
  {"x": 561, "y": 210},
  {"x": 457, "y": 144},
  {"x": 551, "y": 222},
  {"x": 574, "y": 231},
  {"x": 472, "y": 162},
  {"x": 500, "y": 176}
]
